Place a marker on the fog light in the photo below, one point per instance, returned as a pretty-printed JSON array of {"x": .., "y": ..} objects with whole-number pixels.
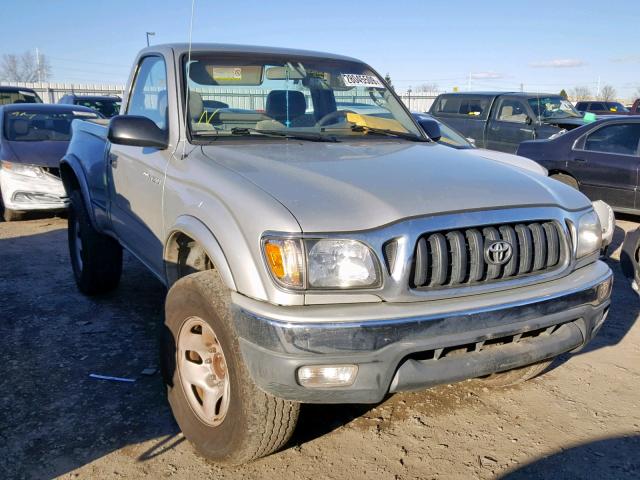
[
  {"x": 604, "y": 290},
  {"x": 319, "y": 376}
]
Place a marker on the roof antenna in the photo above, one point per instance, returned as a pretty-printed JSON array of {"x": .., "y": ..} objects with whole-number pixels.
[{"x": 186, "y": 85}]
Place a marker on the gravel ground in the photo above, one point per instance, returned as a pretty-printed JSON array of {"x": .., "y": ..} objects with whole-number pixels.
[{"x": 580, "y": 419}]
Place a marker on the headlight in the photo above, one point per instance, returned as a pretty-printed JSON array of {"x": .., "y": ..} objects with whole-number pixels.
[
  {"x": 327, "y": 264},
  {"x": 589, "y": 234},
  {"x": 21, "y": 169},
  {"x": 341, "y": 264}
]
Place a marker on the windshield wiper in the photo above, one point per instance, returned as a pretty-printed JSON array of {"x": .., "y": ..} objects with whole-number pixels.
[
  {"x": 311, "y": 137},
  {"x": 390, "y": 133}
]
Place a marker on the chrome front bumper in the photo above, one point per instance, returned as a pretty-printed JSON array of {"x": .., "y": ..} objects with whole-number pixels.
[{"x": 411, "y": 351}]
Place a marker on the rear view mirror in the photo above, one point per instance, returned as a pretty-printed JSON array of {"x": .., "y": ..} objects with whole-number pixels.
[
  {"x": 136, "y": 131},
  {"x": 431, "y": 127}
]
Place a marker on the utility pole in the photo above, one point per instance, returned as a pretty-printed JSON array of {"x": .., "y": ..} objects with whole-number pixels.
[
  {"x": 149, "y": 34},
  {"x": 521, "y": 87},
  {"x": 38, "y": 65},
  {"x": 598, "y": 89}
]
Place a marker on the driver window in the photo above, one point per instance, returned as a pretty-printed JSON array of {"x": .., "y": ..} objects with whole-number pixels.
[
  {"x": 512, "y": 111},
  {"x": 620, "y": 138},
  {"x": 149, "y": 93}
]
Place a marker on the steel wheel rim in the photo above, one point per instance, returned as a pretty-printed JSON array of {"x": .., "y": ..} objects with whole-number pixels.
[
  {"x": 203, "y": 372},
  {"x": 78, "y": 243}
]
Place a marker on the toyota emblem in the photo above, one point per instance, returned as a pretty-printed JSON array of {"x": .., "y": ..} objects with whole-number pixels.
[{"x": 498, "y": 252}]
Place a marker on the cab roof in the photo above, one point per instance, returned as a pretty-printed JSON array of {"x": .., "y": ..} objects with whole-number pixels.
[{"x": 179, "y": 49}]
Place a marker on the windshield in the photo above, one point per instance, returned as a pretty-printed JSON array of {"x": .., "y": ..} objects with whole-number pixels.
[
  {"x": 106, "y": 107},
  {"x": 553, "y": 107},
  {"x": 616, "y": 107},
  {"x": 30, "y": 126},
  {"x": 19, "y": 96},
  {"x": 276, "y": 95}
]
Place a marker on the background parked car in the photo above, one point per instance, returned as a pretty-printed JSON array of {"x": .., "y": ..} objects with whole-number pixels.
[
  {"x": 454, "y": 139},
  {"x": 18, "y": 95},
  {"x": 600, "y": 159},
  {"x": 602, "y": 108},
  {"x": 500, "y": 121},
  {"x": 107, "y": 106},
  {"x": 33, "y": 139}
]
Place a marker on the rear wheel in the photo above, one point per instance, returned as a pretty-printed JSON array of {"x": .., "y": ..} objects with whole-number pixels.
[
  {"x": 517, "y": 375},
  {"x": 96, "y": 259},
  {"x": 212, "y": 395},
  {"x": 566, "y": 179}
]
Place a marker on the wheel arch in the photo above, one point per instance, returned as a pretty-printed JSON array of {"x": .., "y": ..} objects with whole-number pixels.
[
  {"x": 73, "y": 178},
  {"x": 561, "y": 171},
  {"x": 188, "y": 247}
]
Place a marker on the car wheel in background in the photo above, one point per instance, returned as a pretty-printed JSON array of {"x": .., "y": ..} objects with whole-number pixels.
[
  {"x": 11, "y": 215},
  {"x": 566, "y": 179},
  {"x": 96, "y": 259},
  {"x": 215, "y": 401}
]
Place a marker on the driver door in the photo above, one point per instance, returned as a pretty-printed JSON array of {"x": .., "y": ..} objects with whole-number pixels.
[
  {"x": 510, "y": 125},
  {"x": 137, "y": 173}
]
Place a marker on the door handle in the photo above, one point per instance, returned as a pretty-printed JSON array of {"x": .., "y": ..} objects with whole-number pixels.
[
  {"x": 579, "y": 159},
  {"x": 527, "y": 130}
]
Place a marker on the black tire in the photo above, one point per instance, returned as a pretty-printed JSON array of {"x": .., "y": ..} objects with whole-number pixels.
[
  {"x": 566, "y": 179},
  {"x": 515, "y": 376},
  {"x": 256, "y": 423},
  {"x": 11, "y": 215},
  {"x": 97, "y": 266}
]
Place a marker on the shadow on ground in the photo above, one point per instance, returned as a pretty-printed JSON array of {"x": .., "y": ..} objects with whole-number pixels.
[{"x": 617, "y": 458}]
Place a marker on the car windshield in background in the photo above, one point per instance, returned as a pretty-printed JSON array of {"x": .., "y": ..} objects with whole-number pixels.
[
  {"x": 313, "y": 99},
  {"x": 19, "y": 96},
  {"x": 452, "y": 138},
  {"x": 30, "y": 126},
  {"x": 553, "y": 107},
  {"x": 616, "y": 107},
  {"x": 108, "y": 108}
]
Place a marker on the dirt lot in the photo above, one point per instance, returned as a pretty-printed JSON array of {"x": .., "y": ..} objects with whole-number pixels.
[{"x": 581, "y": 419}]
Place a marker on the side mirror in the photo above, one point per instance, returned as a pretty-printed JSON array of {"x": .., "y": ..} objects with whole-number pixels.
[
  {"x": 529, "y": 120},
  {"x": 431, "y": 128},
  {"x": 136, "y": 131}
]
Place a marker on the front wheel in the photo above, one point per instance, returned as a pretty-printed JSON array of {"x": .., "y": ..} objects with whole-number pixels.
[{"x": 215, "y": 401}]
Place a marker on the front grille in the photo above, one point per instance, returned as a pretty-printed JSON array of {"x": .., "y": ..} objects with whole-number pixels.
[{"x": 456, "y": 258}]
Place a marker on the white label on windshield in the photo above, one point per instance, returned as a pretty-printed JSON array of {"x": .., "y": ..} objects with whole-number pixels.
[
  {"x": 83, "y": 114},
  {"x": 353, "y": 80},
  {"x": 29, "y": 94}
]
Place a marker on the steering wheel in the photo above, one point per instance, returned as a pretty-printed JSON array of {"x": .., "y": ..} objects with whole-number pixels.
[{"x": 327, "y": 119}]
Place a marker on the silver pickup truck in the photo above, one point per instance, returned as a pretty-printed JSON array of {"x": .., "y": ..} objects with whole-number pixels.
[{"x": 318, "y": 246}]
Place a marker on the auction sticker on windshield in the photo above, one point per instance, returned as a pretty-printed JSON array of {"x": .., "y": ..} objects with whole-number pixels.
[{"x": 353, "y": 80}]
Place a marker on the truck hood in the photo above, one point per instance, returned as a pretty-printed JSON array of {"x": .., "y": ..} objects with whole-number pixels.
[
  {"x": 42, "y": 154},
  {"x": 355, "y": 185},
  {"x": 566, "y": 123},
  {"x": 509, "y": 159}
]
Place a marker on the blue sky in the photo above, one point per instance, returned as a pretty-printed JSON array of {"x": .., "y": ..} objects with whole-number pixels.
[{"x": 546, "y": 45}]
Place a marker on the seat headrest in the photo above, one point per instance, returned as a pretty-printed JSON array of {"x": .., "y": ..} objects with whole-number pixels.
[
  {"x": 20, "y": 127},
  {"x": 196, "y": 107},
  {"x": 277, "y": 104}
]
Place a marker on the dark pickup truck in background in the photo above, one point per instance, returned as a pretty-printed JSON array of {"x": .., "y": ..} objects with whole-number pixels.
[
  {"x": 500, "y": 121},
  {"x": 608, "y": 108}
]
